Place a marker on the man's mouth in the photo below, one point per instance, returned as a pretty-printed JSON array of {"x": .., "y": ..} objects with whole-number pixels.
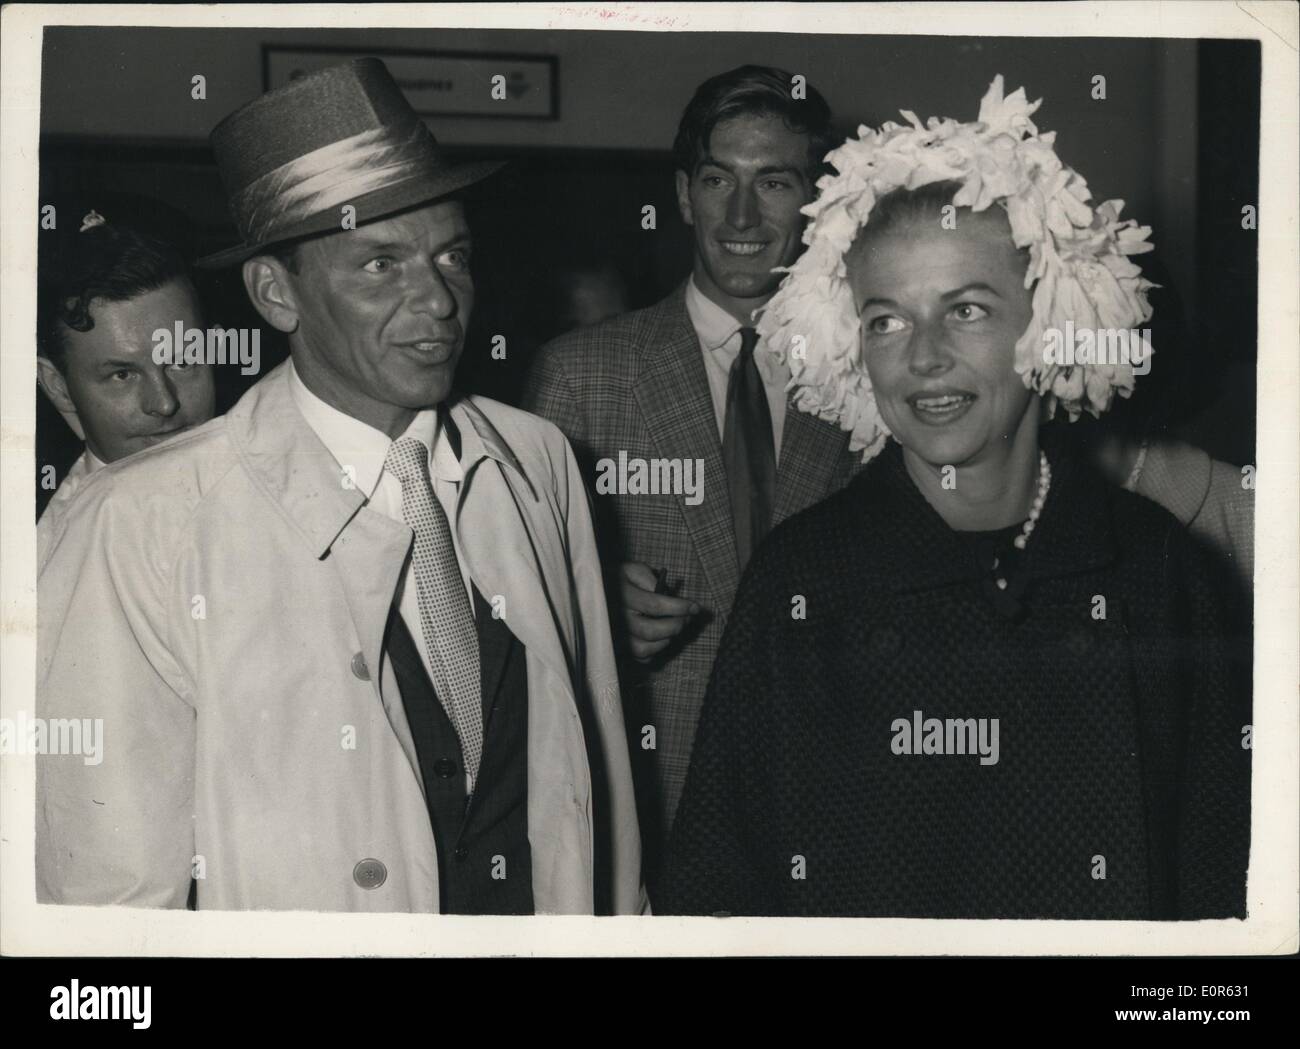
[
  {"x": 744, "y": 247},
  {"x": 158, "y": 435},
  {"x": 436, "y": 351},
  {"x": 941, "y": 406}
]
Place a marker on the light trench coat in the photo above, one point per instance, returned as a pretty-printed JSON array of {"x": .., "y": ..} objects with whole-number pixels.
[{"x": 220, "y": 601}]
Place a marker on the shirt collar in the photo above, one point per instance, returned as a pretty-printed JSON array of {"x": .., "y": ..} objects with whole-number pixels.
[
  {"x": 714, "y": 325},
  {"x": 361, "y": 447},
  {"x": 93, "y": 462}
]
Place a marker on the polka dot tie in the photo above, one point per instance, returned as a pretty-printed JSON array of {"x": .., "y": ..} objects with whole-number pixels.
[{"x": 446, "y": 618}]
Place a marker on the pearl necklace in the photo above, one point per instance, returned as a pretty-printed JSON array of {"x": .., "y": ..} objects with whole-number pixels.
[{"x": 1044, "y": 486}]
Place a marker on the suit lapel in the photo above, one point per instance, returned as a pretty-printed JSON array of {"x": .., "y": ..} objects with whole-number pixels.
[
  {"x": 672, "y": 391},
  {"x": 810, "y": 452}
]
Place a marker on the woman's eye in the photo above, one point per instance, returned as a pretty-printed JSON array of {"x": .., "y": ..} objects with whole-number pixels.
[
  {"x": 885, "y": 325},
  {"x": 380, "y": 265},
  {"x": 969, "y": 311}
]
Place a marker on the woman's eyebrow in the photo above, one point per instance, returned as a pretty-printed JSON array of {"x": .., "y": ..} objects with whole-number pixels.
[
  {"x": 973, "y": 286},
  {"x": 875, "y": 301}
]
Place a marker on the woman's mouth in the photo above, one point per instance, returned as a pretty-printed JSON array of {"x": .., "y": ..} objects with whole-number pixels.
[{"x": 938, "y": 409}]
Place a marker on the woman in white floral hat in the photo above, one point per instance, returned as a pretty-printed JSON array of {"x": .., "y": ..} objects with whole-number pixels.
[{"x": 981, "y": 681}]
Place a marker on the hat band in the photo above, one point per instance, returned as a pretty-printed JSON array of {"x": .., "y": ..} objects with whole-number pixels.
[{"x": 329, "y": 177}]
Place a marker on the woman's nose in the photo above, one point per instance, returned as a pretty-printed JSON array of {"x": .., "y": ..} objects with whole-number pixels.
[{"x": 928, "y": 353}]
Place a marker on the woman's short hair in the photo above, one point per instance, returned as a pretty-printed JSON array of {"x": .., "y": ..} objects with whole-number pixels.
[
  {"x": 753, "y": 91},
  {"x": 114, "y": 251}
]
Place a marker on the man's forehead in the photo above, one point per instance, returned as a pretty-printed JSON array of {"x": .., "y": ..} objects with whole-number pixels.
[
  {"x": 757, "y": 140},
  {"x": 439, "y": 221}
]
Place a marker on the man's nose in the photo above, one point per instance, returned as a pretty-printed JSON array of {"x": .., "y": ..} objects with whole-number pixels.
[
  {"x": 430, "y": 293},
  {"x": 742, "y": 208},
  {"x": 160, "y": 395},
  {"x": 927, "y": 351}
]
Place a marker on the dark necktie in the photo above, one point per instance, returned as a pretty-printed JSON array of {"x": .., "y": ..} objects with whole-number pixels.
[{"x": 748, "y": 451}]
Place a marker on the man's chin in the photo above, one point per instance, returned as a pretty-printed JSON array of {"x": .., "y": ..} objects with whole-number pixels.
[{"x": 759, "y": 285}]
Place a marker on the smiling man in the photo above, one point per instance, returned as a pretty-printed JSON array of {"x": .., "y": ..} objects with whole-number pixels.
[
  {"x": 686, "y": 380},
  {"x": 351, "y": 647}
]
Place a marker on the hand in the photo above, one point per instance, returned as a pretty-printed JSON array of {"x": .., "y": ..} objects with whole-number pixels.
[{"x": 653, "y": 620}]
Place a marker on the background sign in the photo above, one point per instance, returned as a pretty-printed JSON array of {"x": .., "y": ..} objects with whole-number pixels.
[{"x": 440, "y": 83}]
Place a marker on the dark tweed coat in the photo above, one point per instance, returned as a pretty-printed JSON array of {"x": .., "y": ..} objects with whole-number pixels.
[
  {"x": 1120, "y": 738},
  {"x": 637, "y": 384}
]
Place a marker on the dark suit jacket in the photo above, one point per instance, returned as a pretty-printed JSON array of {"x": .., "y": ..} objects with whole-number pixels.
[{"x": 637, "y": 384}]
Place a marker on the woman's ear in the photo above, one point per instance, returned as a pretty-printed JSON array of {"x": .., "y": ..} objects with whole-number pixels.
[
  {"x": 55, "y": 385},
  {"x": 269, "y": 286}
]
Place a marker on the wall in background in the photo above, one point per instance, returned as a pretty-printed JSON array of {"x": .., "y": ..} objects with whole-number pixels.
[{"x": 626, "y": 90}]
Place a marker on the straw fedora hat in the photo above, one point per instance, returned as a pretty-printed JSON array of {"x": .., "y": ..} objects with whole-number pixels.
[{"x": 291, "y": 160}]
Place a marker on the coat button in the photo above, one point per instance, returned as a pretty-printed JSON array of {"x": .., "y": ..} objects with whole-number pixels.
[
  {"x": 359, "y": 668},
  {"x": 444, "y": 768},
  {"x": 370, "y": 874},
  {"x": 884, "y": 643}
]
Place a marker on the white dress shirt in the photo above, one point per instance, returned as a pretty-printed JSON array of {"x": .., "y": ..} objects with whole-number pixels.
[
  {"x": 360, "y": 450},
  {"x": 719, "y": 335}
]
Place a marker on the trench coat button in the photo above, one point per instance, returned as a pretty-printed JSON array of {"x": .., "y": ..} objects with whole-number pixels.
[
  {"x": 444, "y": 768},
  {"x": 884, "y": 642},
  {"x": 359, "y": 668},
  {"x": 370, "y": 874}
]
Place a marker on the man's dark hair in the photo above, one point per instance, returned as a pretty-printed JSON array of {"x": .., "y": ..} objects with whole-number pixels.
[
  {"x": 125, "y": 256},
  {"x": 753, "y": 91}
]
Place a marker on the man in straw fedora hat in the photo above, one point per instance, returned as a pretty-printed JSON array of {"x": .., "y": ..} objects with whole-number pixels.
[{"x": 349, "y": 642}]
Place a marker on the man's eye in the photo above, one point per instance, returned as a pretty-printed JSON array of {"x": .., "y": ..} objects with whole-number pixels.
[
  {"x": 884, "y": 325},
  {"x": 456, "y": 259},
  {"x": 969, "y": 311},
  {"x": 712, "y": 181},
  {"x": 776, "y": 183},
  {"x": 382, "y": 264},
  {"x": 122, "y": 374}
]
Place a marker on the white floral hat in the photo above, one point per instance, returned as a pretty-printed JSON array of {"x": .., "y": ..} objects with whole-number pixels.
[{"x": 1079, "y": 268}]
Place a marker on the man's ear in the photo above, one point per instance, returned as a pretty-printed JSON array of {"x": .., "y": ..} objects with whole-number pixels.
[
  {"x": 52, "y": 381},
  {"x": 267, "y": 282},
  {"x": 684, "y": 198}
]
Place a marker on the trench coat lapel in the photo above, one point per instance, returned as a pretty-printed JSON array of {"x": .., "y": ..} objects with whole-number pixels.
[
  {"x": 368, "y": 550},
  {"x": 502, "y": 553},
  {"x": 672, "y": 392}
]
